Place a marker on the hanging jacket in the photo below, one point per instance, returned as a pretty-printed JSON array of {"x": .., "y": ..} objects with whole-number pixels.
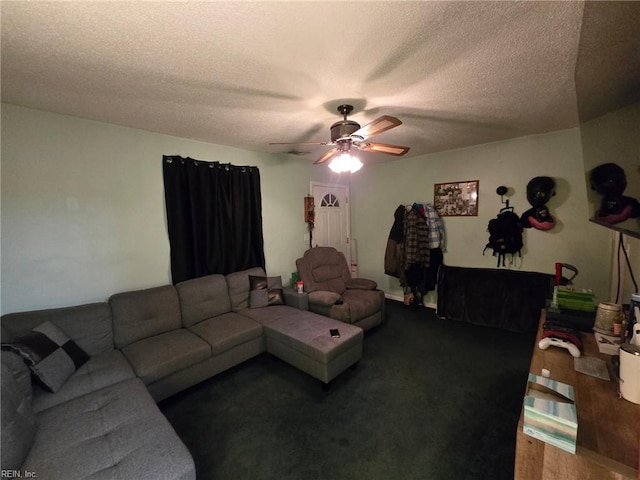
[
  {"x": 397, "y": 229},
  {"x": 416, "y": 240},
  {"x": 435, "y": 226},
  {"x": 393, "y": 253},
  {"x": 435, "y": 262}
]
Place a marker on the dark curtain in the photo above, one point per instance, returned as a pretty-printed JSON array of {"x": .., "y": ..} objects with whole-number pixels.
[{"x": 214, "y": 217}]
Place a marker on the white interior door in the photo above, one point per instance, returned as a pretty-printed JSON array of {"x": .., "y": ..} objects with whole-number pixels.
[{"x": 332, "y": 227}]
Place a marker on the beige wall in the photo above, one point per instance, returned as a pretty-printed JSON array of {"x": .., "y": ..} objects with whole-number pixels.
[
  {"x": 381, "y": 188},
  {"x": 615, "y": 137},
  {"x": 83, "y": 207}
]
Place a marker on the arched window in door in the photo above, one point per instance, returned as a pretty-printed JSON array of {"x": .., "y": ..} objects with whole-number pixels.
[{"x": 330, "y": 200}]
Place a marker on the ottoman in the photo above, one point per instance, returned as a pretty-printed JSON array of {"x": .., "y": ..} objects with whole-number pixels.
[{"x": 304, "y": 341}]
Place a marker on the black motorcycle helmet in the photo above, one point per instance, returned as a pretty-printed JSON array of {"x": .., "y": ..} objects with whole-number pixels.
[
  {"x": 608, "y": 180},
  {"x": 540, "y": 190}
]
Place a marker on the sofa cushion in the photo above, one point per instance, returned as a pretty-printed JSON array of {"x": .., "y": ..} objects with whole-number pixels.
[
  {"x": 88, "y": 325},
  {"x": 362, "y": 284},
  {"x": 18, "y": 422},
  {"x": 265, "y": 291},
  {"x": 144, "y": 313},
  {"x": 326, "y": 273},
  {"x": 363, "y": 303},
  {"x": 357, "y": 305},
  {"x": 20, "y": 372},
  {"x": 238, "y": 283},
  {"x": 156, "y": 357},
  {"x": 115, "y": 432},
  {"x": 51, "y": 355},
  {"x": 340, "y": 312},
  {"x": 227, "y": 331},
  {"x": 310, "y": 335},
  {"x": 326, "y": 277},
  {"x": 322, "y": 297},
  {"x": 268, "y": 314},
  {"x": 323, "y": 268},
  {"x": 100, "y": 371},
  {"x": 202, "y": 298}
]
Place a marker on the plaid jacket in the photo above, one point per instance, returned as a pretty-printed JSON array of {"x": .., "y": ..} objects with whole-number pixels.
[
  {"x": 435, "y": 226},
  {"x": 416, "y": 240}
]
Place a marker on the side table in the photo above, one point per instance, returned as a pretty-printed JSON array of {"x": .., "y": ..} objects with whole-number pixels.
[{"x": 608, "y": 443}]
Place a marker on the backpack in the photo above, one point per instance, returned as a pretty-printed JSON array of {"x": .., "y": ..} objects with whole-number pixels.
[{"x": 505, "y": 235}]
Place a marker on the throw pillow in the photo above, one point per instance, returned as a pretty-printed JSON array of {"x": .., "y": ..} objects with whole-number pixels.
[
  {"x": 265, "y": 291},
  {"x": 50, "y": 354}
]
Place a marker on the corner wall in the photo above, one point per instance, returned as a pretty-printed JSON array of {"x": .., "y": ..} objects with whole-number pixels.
[
  {"x": 83, "y": 207},
  {"x": 615, "y": 137},
  {"x": 83, "y": 212},
  {"x": 378, "y": 189}
]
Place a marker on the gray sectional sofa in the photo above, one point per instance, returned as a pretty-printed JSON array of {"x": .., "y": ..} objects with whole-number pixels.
[{"x": 122, "y": 356}]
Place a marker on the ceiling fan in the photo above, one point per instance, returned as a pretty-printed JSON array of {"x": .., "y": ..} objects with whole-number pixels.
[{"x": 347, "y": 133}]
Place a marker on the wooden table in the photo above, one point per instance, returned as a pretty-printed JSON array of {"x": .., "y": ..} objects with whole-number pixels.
[{"x": 608, "y": 445}]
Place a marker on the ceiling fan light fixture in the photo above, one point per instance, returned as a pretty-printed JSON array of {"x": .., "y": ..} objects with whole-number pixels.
[
  {"x": 347, "y": 133},
  {"x": 345, "y": 162}
]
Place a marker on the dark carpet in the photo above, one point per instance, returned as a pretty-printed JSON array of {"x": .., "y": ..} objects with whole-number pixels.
[{"x": 430, "y": 399}]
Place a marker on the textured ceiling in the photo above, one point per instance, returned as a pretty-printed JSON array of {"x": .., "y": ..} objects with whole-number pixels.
[{"x": 244, "y": 74}]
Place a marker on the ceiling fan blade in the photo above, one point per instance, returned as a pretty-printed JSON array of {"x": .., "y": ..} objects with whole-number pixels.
[
  {"x": 329, "y": 154},
  {"x": 396, "y": 150},
  {"x": 301, "y": 143},
  {"x": 379, "y": 125}
]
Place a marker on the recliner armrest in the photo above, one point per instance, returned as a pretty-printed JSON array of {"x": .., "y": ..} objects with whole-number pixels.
[
  {"x": 324, "y": 297},
  {"x": 361, "y": 284}
]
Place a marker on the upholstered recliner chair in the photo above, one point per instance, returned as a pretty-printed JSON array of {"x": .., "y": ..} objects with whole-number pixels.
[{"x": 333, "y": 293}]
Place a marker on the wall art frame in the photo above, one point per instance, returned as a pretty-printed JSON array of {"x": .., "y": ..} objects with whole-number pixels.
[{"x": 456, "y": 199}]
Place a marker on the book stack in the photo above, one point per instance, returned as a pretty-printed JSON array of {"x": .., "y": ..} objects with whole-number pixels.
[
  {"x": 575, "y": 299},
  {"x": 573, "y": 307}
]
